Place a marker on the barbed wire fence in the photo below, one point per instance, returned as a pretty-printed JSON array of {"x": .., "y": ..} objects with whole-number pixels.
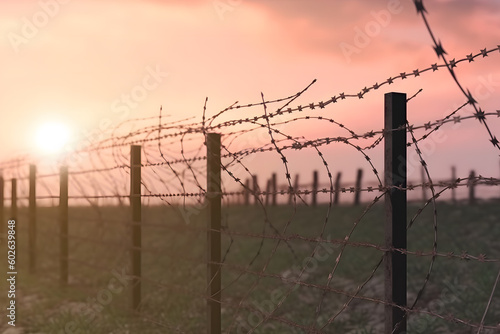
[{"x": 146, "y": 222}]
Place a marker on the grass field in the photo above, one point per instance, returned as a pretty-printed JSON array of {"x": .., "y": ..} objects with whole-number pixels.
[{"x": 174, "y": 271}]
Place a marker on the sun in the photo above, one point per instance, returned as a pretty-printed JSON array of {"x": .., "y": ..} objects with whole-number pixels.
[{"x": 51, "y": 137}]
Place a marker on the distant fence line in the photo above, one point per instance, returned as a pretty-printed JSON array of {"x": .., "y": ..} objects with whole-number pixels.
[{"x": 252, "y": 190}]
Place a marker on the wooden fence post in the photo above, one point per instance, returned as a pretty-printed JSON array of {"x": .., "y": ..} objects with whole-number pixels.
[
  {"x": 13, "y": 203},
  {"x": 357, "y": 188},
  {"x": 472, "y": 185},
  {"x": 274, "y": 188},
  {"x": 246, "y": 192},
  {"x": 453, "y": 179},
  {"x": 314, "y": 199},
  {"x": 255, "y": 187},
  {"x": 63, "y": 225},
  {"x": 32, "y": 218},
  {"x": 135, "y": 203},
  {"x": 295, "y": 189},
  {"x": 337, "y": 188},
  {"x": 268, "y": 191},
  {"x": 422, "y": 176},
  {"x": 395, "y": 204},
  {"x": 2, "y": 206},
  {"x": 214, "y": 233}
]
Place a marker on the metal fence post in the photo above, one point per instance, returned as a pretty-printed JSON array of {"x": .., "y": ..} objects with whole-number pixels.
[
  {"x": 63, "y": 225},
  {"x": 213, "y": 232},
  {"x": 32, "y": 218},
  {"x": 395, "y": 175},
  {"x": 135, "y": 203}
]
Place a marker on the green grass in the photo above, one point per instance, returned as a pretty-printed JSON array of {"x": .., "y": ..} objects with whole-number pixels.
[{"x": 174, "y": 270}]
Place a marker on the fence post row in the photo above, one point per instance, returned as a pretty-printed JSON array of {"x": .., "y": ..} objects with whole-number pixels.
[
  {"x": 214, "y": 232},
  {"x": 63, "y": 225},
  {"x": 395, "y": 207},
  {"x": 135, "y": 203}
]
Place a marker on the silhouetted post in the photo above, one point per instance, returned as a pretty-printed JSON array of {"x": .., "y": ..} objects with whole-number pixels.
[
  {"x": 13, "y": 204},
  {"x": 32, "y": 218},
  {"x": 13, "y": 201},
  {"x": 2, "y": 205},
  {"x": 357, "y": 189},
  {"x": 395, "y": 203},
  {"x": 63, "y": 225},
  {"x": 255, "y": 186},
  {"x": 295, "y": 189},
  {"x": 214, "y": 235},
  {"x": 422, "y": 175},
  {"x": 472, "y": 185},
  {"x": 314, "y": 201},
  {"x": 247, "y": 192},
  {"x": 453, "y": 179},
  {"x": 135, "y": 203},
  {"x": 268, "y": 191},
  {"x": 274, "y": 188},
  {"x": 337, "y": 188}
]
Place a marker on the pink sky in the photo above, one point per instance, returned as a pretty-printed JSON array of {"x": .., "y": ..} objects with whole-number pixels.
[{"x": 76, "y": 66}]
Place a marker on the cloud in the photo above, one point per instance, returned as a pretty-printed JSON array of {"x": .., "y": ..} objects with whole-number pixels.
[{"x": 96, "y": 50}]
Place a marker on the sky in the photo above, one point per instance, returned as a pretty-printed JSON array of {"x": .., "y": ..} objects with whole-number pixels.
[{"x": 92, "y": 64}]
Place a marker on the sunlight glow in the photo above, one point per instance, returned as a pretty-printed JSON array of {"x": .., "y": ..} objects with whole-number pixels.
[{"x": 51, "y": 137}]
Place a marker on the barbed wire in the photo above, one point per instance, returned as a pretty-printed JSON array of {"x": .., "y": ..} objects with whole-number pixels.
[{"x": 173, "y": 178}]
